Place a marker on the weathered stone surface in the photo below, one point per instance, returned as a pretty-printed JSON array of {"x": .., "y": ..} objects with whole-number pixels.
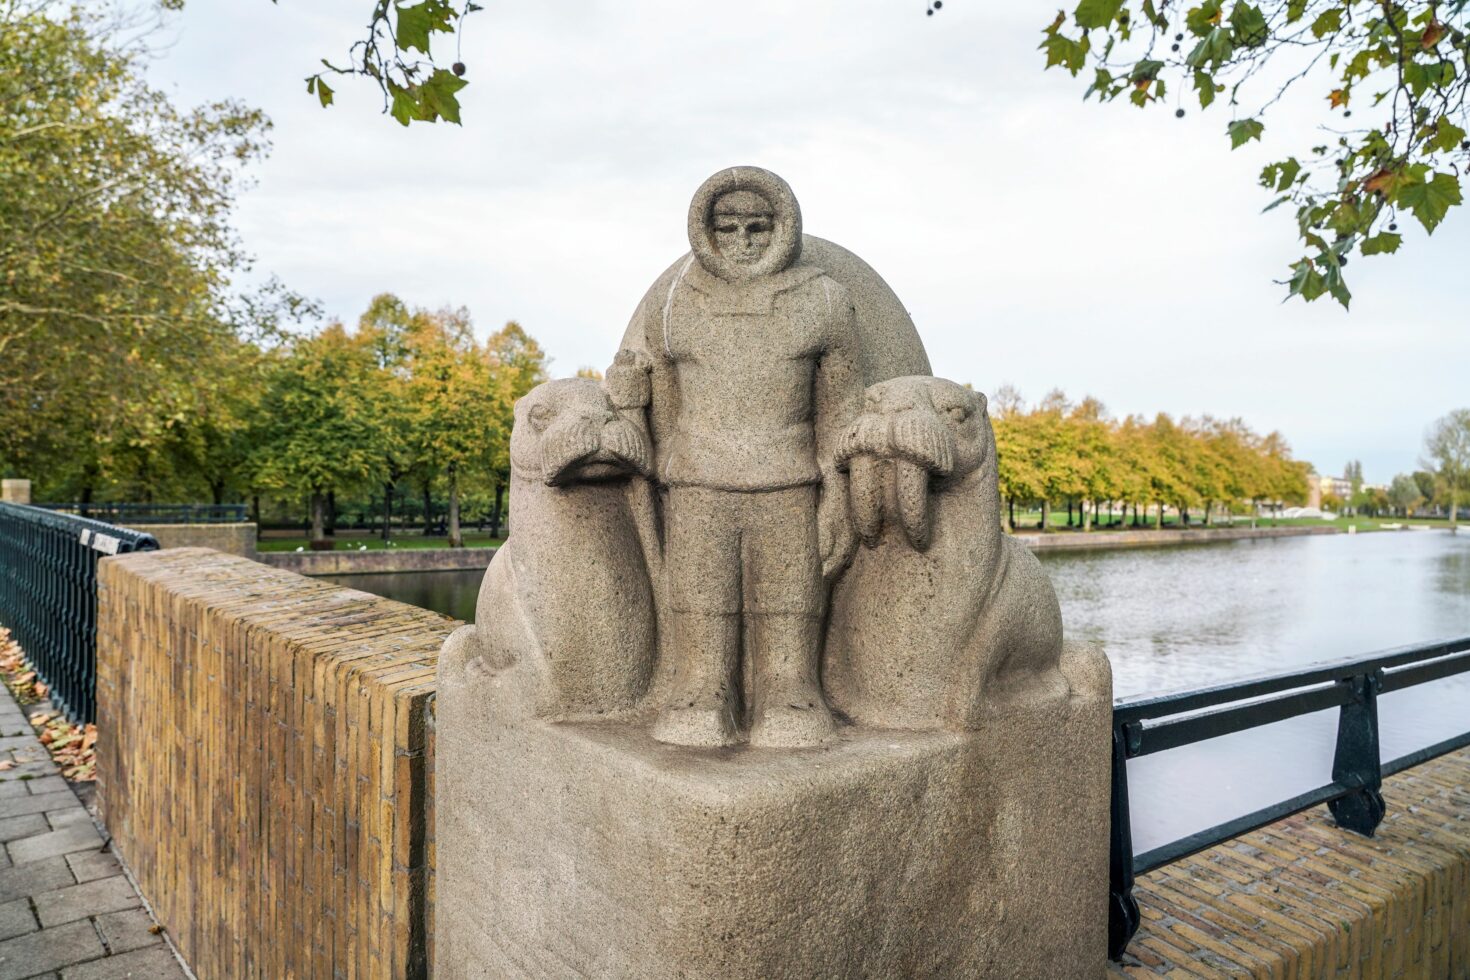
[
  {"x": 55, "y": 843},
  {"x": 941, "y": 613},
  {"x": 36, "y": 952},
  {"x": 691, "y": 734},
  {"x": 85, "y": 900},
  {"x": 16, "y": 918},
  {"x": 591, "y": 850}
]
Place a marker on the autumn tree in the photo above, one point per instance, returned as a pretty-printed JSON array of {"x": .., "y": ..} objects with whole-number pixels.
[
  {"x": 318, "y": 430},
  {"x": 461, "y": 403},
  {"x": 116, "y": 251},
  {"x": 1392, "y": 78}
]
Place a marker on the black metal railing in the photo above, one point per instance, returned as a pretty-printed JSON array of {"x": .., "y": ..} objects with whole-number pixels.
[
  {"x": 115, "y": 513},
  {"x": 48, "y": 596},
  {"x": 1147, "y": 724}
]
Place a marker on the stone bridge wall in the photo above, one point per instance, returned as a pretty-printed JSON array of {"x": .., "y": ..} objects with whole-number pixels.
[{"x": 266, "y": 767}]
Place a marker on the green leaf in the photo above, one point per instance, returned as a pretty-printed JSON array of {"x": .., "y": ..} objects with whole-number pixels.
[
  {"x": 1306, "y": 281},
  {"x": 1249, "y": 25},
  {"x": 1102, "y": 84},
  {"x": 439, "y": 94},
  {"x": 417, "y": 22},
  {"x": 1295, "y": 10},
  {"x": 1062, "y": 50},
  {"x": 1214, "y": 50},
  {"x": 1092, "y": 14},
  {"x": 1289, "y": 170},
  {"x": 1243, "y": 131},
  {"x": 1145, "y": 71},
  {"x": 1447, "y": 136},
  {"x": 1432, "y": 199},
  {"x": 1204, "y": 83},
  {"x": 1327, "y": 22},
  {"x": 1202, "y": 19},
  {"x": 323, "y": 92},
  {"x": 1383, "y": 243},
  {"x": 405, "y": 106}
]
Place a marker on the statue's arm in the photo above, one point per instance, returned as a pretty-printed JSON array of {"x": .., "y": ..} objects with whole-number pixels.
[
  {"x": 838, "y": 397},
  {"x": 640, "y": 380}
]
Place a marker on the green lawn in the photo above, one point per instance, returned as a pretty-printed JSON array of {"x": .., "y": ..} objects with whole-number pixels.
[{"x": 373, "y": 543}]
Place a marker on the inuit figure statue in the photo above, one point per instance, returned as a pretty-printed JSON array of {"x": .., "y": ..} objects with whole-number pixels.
[
  {"x": 746, "y": 377},
  {"x": 565, "y": 610}
]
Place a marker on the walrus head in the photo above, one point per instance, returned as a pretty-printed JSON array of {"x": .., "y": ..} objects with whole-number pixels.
[
  {"x": 912, "y": 431},
  {"x": 566, "y": 431}
]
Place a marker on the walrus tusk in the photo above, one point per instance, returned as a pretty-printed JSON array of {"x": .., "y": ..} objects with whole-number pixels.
[
  {"x": 865, "y": 493},
  {"x": 911, "y": 485}
]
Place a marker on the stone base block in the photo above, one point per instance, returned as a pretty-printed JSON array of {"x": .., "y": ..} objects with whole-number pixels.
[{"x": 593, "y": 851}]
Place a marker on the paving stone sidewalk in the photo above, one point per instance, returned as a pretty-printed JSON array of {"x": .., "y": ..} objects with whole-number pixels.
[{"x": 67, "y": 910}]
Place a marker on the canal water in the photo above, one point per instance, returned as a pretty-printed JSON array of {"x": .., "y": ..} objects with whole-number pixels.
[{"x": 1174, "y": 618}]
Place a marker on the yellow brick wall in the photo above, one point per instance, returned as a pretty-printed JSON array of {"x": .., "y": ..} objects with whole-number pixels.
[
  {"x": 1303, "y": 898},
  {"x": 266, "y": 767}
]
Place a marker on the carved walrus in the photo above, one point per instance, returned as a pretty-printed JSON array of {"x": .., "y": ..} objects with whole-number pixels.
[
  {"x": 565, "y": 609},
  {"x": 942, "y": 613}
]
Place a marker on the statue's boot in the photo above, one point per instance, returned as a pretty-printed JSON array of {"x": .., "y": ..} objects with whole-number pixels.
[
  {"x": 788, "y": 709},
  {"x": 702, "y": 709}
]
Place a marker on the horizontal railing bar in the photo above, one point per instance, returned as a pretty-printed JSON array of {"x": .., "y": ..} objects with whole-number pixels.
[
  {"x": 1161, "y": 736},
  {"x": 1425, "y": 754},
  {"x": 1403, "y": 677},
  {"x": 1161, "y": 705},
  {"x": 1231, "y": 829}
]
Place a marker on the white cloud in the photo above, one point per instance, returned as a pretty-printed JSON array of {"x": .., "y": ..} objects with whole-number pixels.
[{"x": 1036, "y": 239}]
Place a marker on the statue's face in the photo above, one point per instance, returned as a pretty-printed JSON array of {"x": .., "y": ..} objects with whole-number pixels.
[{"x": 742, "y": 225}]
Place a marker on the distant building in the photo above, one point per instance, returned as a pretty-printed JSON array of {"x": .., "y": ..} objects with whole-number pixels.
[{"x": 1324, "y": 486}]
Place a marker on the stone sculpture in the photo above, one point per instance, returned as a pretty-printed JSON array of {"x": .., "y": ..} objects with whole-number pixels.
[
  {"x": 941, "y": 645},
  {"x": 758, "y": 687}
]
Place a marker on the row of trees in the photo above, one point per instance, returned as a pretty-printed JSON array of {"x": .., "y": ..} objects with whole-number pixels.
[
  {"x": 411, "y": 395},
  {"x": 1057, "y": 451},
  {"x": 132, "y": 367}
]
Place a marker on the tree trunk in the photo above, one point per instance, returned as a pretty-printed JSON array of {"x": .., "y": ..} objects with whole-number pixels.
[
  {"x": 387, "y": 510},
  {"x": 1011, "y": 512},
  {"x": 1086, "y": 518},
  {"x": 1161, "y": 515},
  {"x": 1452, "y": 510},
  {"x": 217, "y": 488},
  {"x": 318, "y": 516},
  {"x": 496, "y": 512},
  {"x": 255, "y": 511},
  {"x": 456, "y": 540},
  {"x": 331, "y": 513},
  {"x": 1045, "y": 515},
  {"x": 1069, "y": 511},
  {"x": 428, "y": 506}
]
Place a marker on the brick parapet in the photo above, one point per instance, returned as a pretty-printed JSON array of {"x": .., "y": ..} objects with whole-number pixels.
[{"x": 266, "y": 762}]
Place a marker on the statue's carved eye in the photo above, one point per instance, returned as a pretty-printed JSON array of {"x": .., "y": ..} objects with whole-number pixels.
[
  {"x": 540, "y": 417},
  {"x": 959, "y": 413}
]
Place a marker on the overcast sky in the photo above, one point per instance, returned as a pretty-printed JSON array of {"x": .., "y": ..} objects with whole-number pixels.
[{"x": 1036, "y": 240}]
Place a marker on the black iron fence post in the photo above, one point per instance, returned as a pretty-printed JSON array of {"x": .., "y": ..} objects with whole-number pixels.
[
  {"x": 1122, "y": 907},
  {"x": 1356, "y": 764}
]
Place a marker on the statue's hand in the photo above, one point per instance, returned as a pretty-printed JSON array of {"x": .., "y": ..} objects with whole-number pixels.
[
  {"x": 626, "y": 381},
  {"x": 836, "y": 540}
]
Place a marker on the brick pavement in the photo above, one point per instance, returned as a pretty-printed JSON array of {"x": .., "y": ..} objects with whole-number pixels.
[{"x": 67, "y": 910}]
